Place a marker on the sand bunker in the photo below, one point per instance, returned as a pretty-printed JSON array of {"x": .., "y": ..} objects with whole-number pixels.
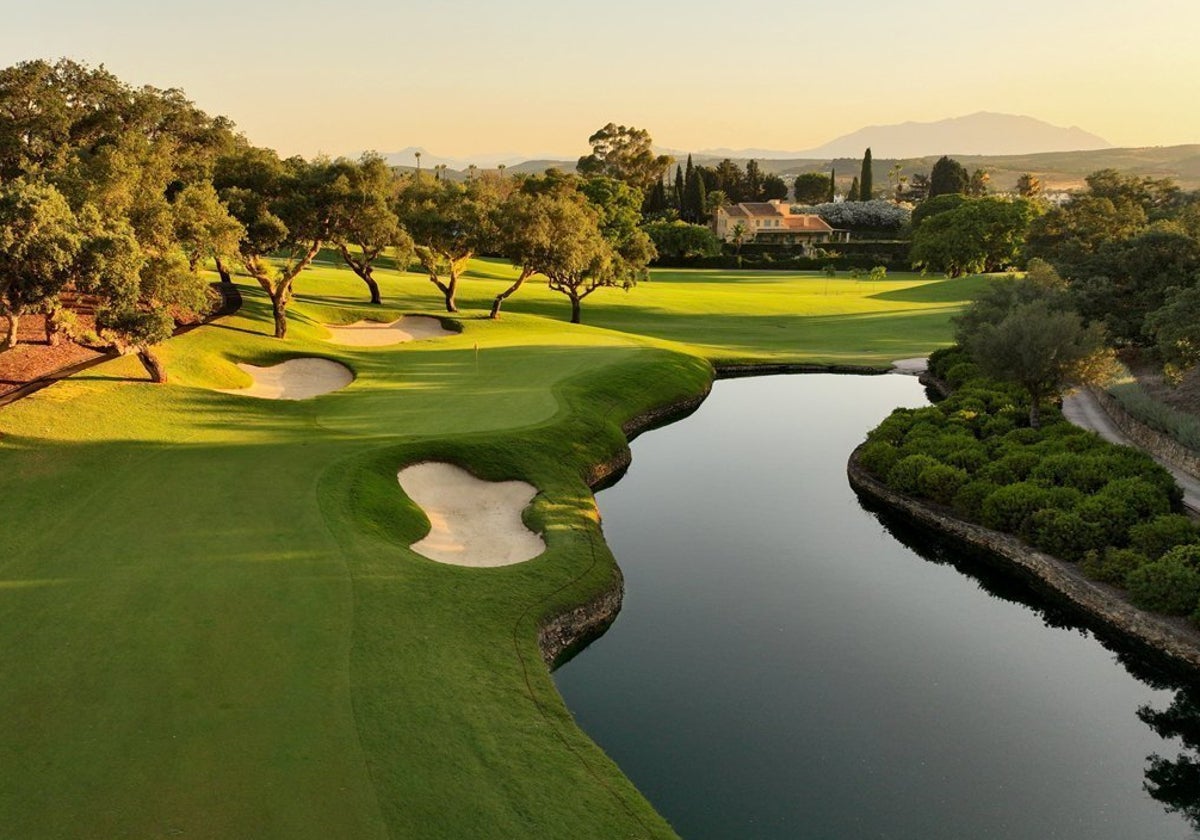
[
  {"x": 472, "y": 522},
  {"x": 912, "y": 367},
  {"x": 296, "y": 379},
  {"x": 374, "y": 334}
]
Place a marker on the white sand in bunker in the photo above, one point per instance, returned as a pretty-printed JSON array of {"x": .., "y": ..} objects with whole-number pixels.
[
  {"x": 472, "y": 522},
  {"x": 375, "y": 334},
  {"x": 295, "y": 379}
]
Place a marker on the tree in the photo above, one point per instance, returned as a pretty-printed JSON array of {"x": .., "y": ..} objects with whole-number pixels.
[
  {"x": 832, "y": 186},
  {"x": 285, "y": 209},
  {"x": 753, "y": 181},
  {"x": 866, "y": 181},
  {"x": 853, "y": 195},
  {"x": 737, "y": 235},
  {"x": 730, "y": 180},
  {"x": 985, "y": 234},
  {"x": 977, "y": 187},
  {"x": 625, "y": 154},
  {"x": 694, "y": 198},
  {"x": 812, "y": 188},
  {"x": 1175, "y": 328},
  {"x": 140, "y": 308},
  {"x": 1128, "y": 279},
  {"x": 1029, "y": 185},
  {"x": 580, "y": 239},
  {"x": 366, "y": 224},
  {"x": 1041, "y": 349},
  {"x": 679, "y": 187},
  {"x": 896, "y": 180},
  {"x": 933, "y": 206},
  {"x": 680, "y": 240},
  {"x": 948, "y": 176},
  {"x": 204, "y": 228},
  {"x": 774, "y": 188},
  {"x": 449, "y": 223},
  {"x": 39, "y": 240}
]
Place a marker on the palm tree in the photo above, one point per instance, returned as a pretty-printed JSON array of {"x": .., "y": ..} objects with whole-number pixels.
[{"x": 418, "y": 156}]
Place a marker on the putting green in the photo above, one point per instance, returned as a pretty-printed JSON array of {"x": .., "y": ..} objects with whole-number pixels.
[{"x": 211, "y": 624}]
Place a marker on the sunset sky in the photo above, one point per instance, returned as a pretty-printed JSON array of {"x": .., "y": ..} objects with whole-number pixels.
[{"x": 461, "y": 77}]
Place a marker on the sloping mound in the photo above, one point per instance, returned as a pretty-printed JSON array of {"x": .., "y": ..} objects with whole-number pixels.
[
  {"x": 374, "y": 334},
  {"x": 472, "y": 522},
  {"x": 295, "y": 379}
]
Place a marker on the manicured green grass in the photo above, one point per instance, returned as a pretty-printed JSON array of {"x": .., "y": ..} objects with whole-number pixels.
[{"x": 211, "y": 624}]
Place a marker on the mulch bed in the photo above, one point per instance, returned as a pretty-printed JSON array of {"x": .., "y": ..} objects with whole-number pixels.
[{"x": 33, "y": 358}]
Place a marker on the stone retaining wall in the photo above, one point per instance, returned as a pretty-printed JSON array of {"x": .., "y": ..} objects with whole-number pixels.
[
  {"x": 1160, "y": 445},
  {"x": 1174, "y": 638}
]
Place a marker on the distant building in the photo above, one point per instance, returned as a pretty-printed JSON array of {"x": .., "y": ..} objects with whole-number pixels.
[{"x": 773, "y": 222}]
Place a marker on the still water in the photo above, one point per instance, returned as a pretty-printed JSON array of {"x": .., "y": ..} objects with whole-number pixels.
[{"x": 785, "y": 666}]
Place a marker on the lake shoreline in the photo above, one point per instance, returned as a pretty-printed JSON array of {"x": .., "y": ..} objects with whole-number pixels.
[{"x": 1173, "y": 639}]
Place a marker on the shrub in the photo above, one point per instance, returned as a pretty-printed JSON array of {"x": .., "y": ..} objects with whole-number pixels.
[
  {"x": 1063, "y": 533},
  {"x": 878, "y": 457},
  {"x": 906, "y": 472},
  {"x": 1141, "y": 498},
  {"x": 895, "y": 426},
  {"x": 1170, "y": 584},
  {"x": 1162, "y": 533},
  {"x": 941, "y": 482},
  {"x": 1008, "y": 507},
  {"x": 961, "y": 373},
  {"x": 968, "y": 501},
  {"x": 1112, "y": 565},
  {"x": 1010, "y": 468},
  {"x": 1067, "y": 469},
  {"x": 970, "y": 458}
]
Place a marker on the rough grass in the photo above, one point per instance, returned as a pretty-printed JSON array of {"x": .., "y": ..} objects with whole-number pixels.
[{"x": 211, "y": 624}]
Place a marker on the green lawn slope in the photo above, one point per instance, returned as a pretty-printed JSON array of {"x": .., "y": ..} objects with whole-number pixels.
[{"x": 210, "y": 622}]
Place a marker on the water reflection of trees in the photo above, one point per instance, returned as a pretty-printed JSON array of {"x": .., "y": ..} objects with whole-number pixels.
[{"x": 1175, "y": 782}]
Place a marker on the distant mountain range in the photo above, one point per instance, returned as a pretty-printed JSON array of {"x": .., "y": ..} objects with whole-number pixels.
[
  {"x": 1005, "y": 145},
  {"x": 977, "y": 134},
  {"x": 983, "y": 133}
]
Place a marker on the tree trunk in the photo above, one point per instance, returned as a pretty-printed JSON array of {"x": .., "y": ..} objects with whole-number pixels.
[
  {"x": 53, "y": 336},
  {"x": 451, "y": 291},
  {"x": 503, "y": 296},
  {"x": 152, "y": 364},
  {"x": 279, "y": 310},
  {"x": 10, "y": 339},
  {"x": 223, "y": 271},
  {"x": 362, "y": 269},
  {"x": 575, "y": 310}
]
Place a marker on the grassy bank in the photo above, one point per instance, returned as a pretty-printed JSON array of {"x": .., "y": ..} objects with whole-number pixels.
[{"x": 211, "y": 624}]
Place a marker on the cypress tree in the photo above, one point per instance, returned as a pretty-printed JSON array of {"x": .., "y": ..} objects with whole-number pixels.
[
  {"x": 853, "y": 194},
  {"x": 678, "y": 189},
  {"x": 865, "y": 182},
  {"x": 693, "y": 198},
  {"x": 832, "y": 184}
]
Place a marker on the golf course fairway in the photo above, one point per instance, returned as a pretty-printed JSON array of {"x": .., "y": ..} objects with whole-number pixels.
[{"x": 212, "y": 624}]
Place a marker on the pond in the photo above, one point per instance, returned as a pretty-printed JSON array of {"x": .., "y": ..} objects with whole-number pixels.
[{"x": 787, "y": 666}]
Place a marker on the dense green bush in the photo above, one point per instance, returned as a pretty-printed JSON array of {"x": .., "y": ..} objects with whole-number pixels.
[
  {"x": 940, "y": 482},
  {"x": 878, "y": 457},
  {"x": 1170, "y": 584},
  {"x": 1162, "y": 533},
  {"x": 961, "y": 373},
  {"x": 1063, "y": 533},
  {"x": 1060, "y": 488},
  {"x": 1008, "y": 507},
  {"x": 906, "y": 472},
  {"x": 1112, "y": 565}
]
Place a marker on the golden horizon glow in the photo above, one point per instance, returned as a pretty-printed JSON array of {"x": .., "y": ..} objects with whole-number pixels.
[{"x": 531, "y": 77}]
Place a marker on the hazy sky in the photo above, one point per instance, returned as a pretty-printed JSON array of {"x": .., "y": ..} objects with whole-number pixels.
[{"x": 463, "y": 76}]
